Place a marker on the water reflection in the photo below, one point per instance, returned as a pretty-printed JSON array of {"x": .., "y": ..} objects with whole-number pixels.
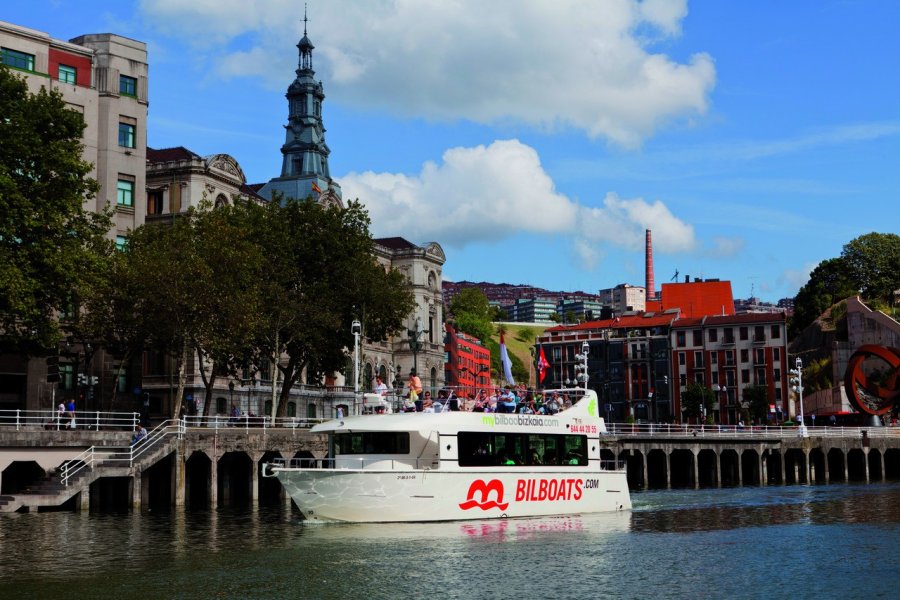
[
  {"x": 722, "y": 509},
  {"x": 674, "y": 544}
]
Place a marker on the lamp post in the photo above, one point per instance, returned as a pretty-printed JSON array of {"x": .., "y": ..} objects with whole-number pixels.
[
  {"x": 415, "y": 343},
  {"x": 355, "y": 329},
  {"x": 797, "y": 381},
  {"x": 582, "y": 369}
]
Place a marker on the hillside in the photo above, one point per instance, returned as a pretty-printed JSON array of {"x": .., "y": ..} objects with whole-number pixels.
[{"x": 519, "y": 341}]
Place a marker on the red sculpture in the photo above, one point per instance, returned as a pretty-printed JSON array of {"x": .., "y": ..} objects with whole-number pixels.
[{"x": 873, "y": 391}]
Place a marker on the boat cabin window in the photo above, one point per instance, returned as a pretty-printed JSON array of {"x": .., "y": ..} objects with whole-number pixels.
[
  {"x": 521, "y": 449},
  {"x": 372, "y": 442}
]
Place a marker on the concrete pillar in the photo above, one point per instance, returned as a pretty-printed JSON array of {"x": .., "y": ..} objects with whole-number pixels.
[
  {"x": 668, "y": 468},
  {"x": 866, "y": 462},
  {"x": 255, "y": 457},
  {"x": 137, "y": 490},
  {"x": 883, "y": 474},
  {"x": 763, "y": 470},
  {"x": 846, "y": 466},
  {"x": 179, "y": 483},
  {"x": 214, "y": 482},
  {"x": 810, "y": 467},
  {"x": 740, "y": 467},
  {"x": 696, "y": 456},
  {"x": 84, "y": 499},
  {"x": 826, "y": 468}
]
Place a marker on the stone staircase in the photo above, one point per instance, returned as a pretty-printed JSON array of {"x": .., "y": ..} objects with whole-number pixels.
[{"x": 74, "y": 476}]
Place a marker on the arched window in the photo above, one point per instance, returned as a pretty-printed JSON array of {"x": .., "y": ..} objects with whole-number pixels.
[
  {"x": 434, "y": 381},
  {"x": 367, "y": 377},
  {"x": 432, "y": 281},
  {"x": 382, "y": 372},
  {"x": 221, "y": 201}
]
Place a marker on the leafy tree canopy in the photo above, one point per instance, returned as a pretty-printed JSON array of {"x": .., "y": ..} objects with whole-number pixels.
[
  {"x": 51, "y": 249},
  {"x": 473, "y": 314}
]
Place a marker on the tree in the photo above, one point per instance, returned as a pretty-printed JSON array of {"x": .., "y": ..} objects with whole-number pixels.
[
  {"x": 828, "y": 283},
  {"x": 757, "y": 399},
  {"x": 697, "y": 399},
  {"x": 51, "y": 249},
  {"x": 873, "y": 261},
  {"x": 320, "y": 275},
  {"x": 472, "y": 313}
]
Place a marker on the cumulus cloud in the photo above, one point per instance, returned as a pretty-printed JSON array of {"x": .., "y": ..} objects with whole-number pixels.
[
  {"x": 488, "y": 193},
  {"x": 549, "y": 65}
]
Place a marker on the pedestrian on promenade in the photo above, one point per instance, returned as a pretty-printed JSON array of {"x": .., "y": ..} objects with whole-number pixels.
[
  {"x": 70, "y": 412},
  {"x": 139, "y": 433}
]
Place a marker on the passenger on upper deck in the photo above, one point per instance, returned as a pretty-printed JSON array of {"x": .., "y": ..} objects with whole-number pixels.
[{"x": 380, "y": 387}]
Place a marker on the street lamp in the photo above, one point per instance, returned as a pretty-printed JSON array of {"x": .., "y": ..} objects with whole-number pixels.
[
  {"x": 415, "y": 343},
  {"x": 797, "y": 382},
  {"x": 355, "y": 329},
  {"x": 582, "y": 369}
]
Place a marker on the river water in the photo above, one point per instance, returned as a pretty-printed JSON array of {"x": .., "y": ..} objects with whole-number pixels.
[{"x": 827, "y": 541}]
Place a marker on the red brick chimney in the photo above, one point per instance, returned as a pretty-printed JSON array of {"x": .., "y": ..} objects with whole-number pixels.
[{"x": 648, "y": 265}]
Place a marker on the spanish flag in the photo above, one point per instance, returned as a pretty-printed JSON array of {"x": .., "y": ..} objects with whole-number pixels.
[{"x": 316, "y": 188}]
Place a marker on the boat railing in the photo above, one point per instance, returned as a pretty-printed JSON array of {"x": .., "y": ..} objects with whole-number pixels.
[
  {"x": 406, "y": 464},
  {"x": 662, "y": 430}
]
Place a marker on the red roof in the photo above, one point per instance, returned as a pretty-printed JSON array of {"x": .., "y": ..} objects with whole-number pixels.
[{"x": 623, "y": 322}]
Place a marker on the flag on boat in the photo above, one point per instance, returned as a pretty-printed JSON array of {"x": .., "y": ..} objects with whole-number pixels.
[
  {"x": 506, "y": 362},
  {"x": 542, "y": 366},
  {"x": 316, "y": 188}
]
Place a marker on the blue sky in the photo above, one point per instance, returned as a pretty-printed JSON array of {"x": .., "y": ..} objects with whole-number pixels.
[{"x": 536, "y": 141}]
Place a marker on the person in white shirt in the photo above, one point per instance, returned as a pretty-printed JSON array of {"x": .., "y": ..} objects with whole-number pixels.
[{"x": 380, "y": 387}]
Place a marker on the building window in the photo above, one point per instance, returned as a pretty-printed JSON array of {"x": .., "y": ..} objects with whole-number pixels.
[
  {"x": 745, "y": 355},
  {"x": 155, "y": 206},
  {"x": 121, "y": 243},
  {"x": 292, "y": 409},
  {"x": 729, "y": 335},
  {"x": 66, "y": 376},
  {"x": 713, "y": 358},
  {"x": 125, "y": 193},
  {"x": 16, "y": 59},
  {"x": 68, "y": 74},
  {"x": 698, "y": 359},
  {"x": 221, "y": 406},
  {"x": 127, "y": 86},
  {"x": 680, "y": 339},
  {"x": 698, "y": 337},
  {"x": 745, "y": 375},
  {"x": 681, "y": 360},
  {"x": 776, "y": 332},
  {"x": 759, "y": 333},
  {"x": 683, "y": 379},
  {"x": 126, "y": 135},
  {"x": 713, "y": 335},
  {"x": 776, "y": 353},
  {"x": 729, "y": 358},
  {"x": 777, "y": 375},
  {"x": 745, "y": 333}
]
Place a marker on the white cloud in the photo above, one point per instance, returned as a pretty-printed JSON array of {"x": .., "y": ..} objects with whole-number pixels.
[
  {"x": 550, "y": 65},
  {"x": 489, "y": 193},
  {"x": 723, "y": 247}
]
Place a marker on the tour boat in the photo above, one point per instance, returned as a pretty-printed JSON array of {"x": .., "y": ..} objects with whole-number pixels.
[{"x": 456, "y": 465}]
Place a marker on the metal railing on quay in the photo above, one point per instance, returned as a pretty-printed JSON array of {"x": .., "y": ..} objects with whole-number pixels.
[
  {"x": 751, "y": 431},
  {"x": 52, "y": 420},
  {"x": 120, "y": 456}
]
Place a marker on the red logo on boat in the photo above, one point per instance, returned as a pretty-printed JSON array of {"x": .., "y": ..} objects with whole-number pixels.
[{"x": 485, "y": 491}]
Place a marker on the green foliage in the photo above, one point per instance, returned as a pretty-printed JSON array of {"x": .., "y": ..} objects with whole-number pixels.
[
  {"x": 817, "y": 375},
  {"x": 472, "y": 313},
  {"x": 320, "y": 275},
  {"x": 869, "y": 265},
  {"x": 874, "y": 262},
  {"x": 52, "y": 251},
  {"x": 828, "y": 283},
  {"x": 554, "y": 316},
  {"x": 695, "y": 398},
  {"x": 757, "y": 399}
]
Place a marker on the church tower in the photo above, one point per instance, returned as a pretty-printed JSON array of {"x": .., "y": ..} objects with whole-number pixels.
[{"x": 304, "y": 168}]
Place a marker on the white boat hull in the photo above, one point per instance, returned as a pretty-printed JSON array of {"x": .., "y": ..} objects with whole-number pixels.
[{"x": 366, "y": 495}]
